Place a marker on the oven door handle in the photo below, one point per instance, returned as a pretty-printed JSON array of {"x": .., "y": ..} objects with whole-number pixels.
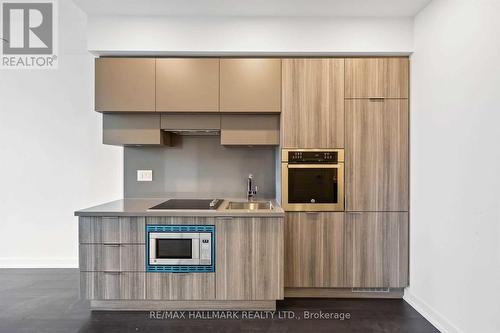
[{"x": 313, "y": 166}]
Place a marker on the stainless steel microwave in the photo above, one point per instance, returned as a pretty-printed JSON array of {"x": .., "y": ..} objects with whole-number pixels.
[
  {"x": 312, "y": 179},
  {"x": 180, "y": 248}
]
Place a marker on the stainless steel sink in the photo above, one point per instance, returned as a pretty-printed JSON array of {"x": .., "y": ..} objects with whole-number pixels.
[{"x": 250, "y": 205}]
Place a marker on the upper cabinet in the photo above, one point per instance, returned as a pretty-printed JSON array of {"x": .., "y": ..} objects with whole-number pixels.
[
  {"x": 376, "y": 155},
  {"x": 250, "y": 129},
  {"x": 313, "y": 103},
  {"x": 376, "y": 77},
  {"x": 125, "y": 85},
  {"x": 187, "y": 84},
  {"x": 134, "y": 129},
  {"x": 250, "y": 85}
]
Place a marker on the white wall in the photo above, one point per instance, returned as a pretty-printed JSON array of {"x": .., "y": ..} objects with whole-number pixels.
[
  {"x": 220, "y": 35},
  {"x": 455, "y": 166},
  {"x": 52, "y": 161}
]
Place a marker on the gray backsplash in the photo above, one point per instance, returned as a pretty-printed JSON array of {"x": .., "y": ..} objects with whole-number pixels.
[{"x": 200, "y": 167}]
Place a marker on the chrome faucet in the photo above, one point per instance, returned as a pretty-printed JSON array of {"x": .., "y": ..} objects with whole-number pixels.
[{"x": 251, "y": 192}]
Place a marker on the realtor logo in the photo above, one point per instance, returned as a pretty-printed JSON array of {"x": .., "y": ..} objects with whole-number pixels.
[{"x": 28, "y": 34}]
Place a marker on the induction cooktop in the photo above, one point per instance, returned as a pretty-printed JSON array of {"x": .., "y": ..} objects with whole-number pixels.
[{"x": 199, "y": 204}]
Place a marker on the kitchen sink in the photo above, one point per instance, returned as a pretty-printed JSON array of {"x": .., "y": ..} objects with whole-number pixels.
[{"x": 250, "y": 205}]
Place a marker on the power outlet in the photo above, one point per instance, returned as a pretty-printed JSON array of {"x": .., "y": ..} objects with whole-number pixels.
[{"x": 144, "y": 175}]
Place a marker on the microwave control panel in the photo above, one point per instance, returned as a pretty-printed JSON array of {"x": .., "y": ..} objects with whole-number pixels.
[{"x": 205, "y": 248}]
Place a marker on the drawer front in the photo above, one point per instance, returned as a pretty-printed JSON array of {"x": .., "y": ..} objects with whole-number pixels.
[
  {"x": 112, "y": 230},
  {"x": 112, "y": 257},
  {"x": 112, "y": 285},
  {"x": 177, "y": 286}
]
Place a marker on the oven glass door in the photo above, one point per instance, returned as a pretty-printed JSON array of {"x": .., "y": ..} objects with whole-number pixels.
[
  {"x": 313, "y": 187},
  {"x": 312, "y": 184}
]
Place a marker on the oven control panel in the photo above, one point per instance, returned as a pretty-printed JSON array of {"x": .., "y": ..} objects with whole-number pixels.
[{"x": 312, "y": 157}]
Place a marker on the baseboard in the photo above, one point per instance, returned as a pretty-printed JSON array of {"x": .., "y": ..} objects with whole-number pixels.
[
  {"x": 341, "y": 293},
  {"x": 39, "y": 262},
  {"x": 199, "y": 305},
  {"x": 433, "y": 316}
]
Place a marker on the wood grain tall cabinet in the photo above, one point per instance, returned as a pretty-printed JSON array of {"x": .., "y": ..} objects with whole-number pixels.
[
  {"x": 377, "y": 169},
  {"x": 361, "y": 105}
]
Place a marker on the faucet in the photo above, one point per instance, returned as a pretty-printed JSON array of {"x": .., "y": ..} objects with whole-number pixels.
[{"x": 251, "y": 192}]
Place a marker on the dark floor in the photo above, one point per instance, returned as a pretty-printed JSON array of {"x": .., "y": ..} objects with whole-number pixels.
[{"x": 46, "y": 300}]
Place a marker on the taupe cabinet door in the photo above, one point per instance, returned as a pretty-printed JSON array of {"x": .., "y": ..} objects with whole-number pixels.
[
  {"x": 133, "y": 129},
  {"x": 253, "y": 129},
  {"x": 380, "y": 249},
  {"x": 125, "y": 84},
  {"x": 376, "y": 155},
  {"x": 184, "y": 85},
  {"x": 313, "y": 103},
  {"x": 250, "y": 85},
  {"x": 317, "y": 249},
  {"x": 376, "y": 77}
]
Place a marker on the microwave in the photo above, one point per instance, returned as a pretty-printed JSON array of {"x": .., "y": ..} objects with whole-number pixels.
[
  {"x": 180, "y": 248},
  {"x": 312, "y": 179}
]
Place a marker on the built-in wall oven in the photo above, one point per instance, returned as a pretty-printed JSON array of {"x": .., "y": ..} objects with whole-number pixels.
[
  {"x": 312, "y": 179},
  {"x": 180, "y": 248}
]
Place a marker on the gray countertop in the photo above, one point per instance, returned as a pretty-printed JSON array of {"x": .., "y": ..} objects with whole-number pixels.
[{"x": 140, "y": 207}]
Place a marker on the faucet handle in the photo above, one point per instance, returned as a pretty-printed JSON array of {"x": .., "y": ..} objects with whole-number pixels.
[{"x": 250, "y": 176}]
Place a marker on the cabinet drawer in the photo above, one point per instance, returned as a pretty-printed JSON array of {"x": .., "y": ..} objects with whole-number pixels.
[
  {"x": 177, "y": 286},
  {"x": 112, "y": 257},
  {"x": 112, "y": 230},
  {"x": 112, "y": 285}
]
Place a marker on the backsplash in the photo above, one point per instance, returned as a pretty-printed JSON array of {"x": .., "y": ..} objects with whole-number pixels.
[{"x": 199, "y": 167}]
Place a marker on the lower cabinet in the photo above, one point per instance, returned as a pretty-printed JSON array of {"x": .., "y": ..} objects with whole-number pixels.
[
  {"x": 379, "y": 249},
  {"x": 316, "y": 250},
  {"x": 249, "y": 254},
  {"x": 248, "y": 250},
  {"x": 346, "y": 250}
]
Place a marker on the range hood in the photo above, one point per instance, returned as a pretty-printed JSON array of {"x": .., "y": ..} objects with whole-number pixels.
[{"x": 195, "y": 132}]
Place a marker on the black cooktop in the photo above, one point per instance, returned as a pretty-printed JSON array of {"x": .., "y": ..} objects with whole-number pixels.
[{"x": 205, "y": 204}]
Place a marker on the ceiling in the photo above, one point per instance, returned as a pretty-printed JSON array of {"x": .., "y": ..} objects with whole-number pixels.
[{"x": 303, "y": 8}]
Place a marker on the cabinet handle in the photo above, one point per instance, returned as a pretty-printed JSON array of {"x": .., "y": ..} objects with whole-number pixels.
[
  {"x": 112, "y": 272},
  {"x": 111, "y": 244},
  {"x": 377, "y": 99}
]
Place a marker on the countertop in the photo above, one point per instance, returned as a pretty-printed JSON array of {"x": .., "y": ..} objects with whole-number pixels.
[{"x": 140, "y": 207}]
